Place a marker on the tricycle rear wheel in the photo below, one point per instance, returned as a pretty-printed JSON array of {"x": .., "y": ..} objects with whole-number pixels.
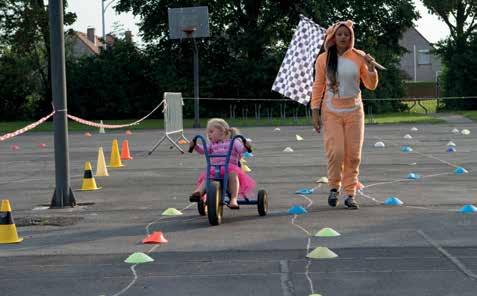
[
  {"x": 202, "y": 207},
  {"x": 262, "y": 202}
]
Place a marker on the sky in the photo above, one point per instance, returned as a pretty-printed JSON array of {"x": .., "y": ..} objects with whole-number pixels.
[{"x": 89, "y": 15}]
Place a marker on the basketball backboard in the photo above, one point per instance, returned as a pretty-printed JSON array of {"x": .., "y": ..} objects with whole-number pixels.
[{"x": 188, "y": 22}]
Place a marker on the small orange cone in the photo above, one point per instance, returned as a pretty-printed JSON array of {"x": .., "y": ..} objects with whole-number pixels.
[
  {"x": 89, "y": 183},
  {"x": 182, "y": 141},
  {"x": 8, "y": 230},
  {"x": 155, "y": 238},
  {"x": 125, "y": 151}
]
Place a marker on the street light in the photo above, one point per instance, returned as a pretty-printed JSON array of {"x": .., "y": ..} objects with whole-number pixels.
[{"x": 103, "y": 11}]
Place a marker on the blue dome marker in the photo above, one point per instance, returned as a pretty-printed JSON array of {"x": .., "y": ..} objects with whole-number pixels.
[
  {"x": 413, "y": 176},
  {"x": 305, "y": 191},
  {"x": 466, "y": 209},
  {"x": 460, "y": 171},
  {"x": 406, "y": 148},
  {"x": 451, "y": 149},
  {"x": 297, "y": 210},
  {"x": 393, "y": 201}
]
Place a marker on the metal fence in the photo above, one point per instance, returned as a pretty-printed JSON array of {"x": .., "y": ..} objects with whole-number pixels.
[{"x": 269, "y": 109}]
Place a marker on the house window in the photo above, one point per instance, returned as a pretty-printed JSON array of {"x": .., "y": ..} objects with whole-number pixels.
[{"x": 423, "y": 57}]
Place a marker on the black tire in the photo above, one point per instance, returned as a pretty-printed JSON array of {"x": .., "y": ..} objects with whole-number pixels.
[
  {"x": 214, "y": 203},
  {"x": 202, "y": 207},
  {"x": 262, "y": 202}
]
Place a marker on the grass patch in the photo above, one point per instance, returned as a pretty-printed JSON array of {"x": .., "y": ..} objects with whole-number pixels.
[
  {"x": 395, "y": 118},
  {"x": 389, "y": 118},
  {"x": 430, "y": 105},
  {"x": 472, "y": 115}
]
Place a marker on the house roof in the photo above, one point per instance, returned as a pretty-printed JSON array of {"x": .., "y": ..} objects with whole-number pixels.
[
  {"x": 93, "y": 47},
  {"x": 415, "y": 29}
]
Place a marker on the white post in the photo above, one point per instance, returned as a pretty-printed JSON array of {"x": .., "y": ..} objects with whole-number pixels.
[{"x": 415, "y": 64}]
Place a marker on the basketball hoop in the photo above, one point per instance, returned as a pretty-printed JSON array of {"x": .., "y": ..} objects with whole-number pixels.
[{"x": 189, "y": 31}]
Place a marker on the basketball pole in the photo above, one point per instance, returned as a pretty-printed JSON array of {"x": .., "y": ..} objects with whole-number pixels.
[
  {"x": 189, "y": 31},
  {"x": 196, "y": 85}
]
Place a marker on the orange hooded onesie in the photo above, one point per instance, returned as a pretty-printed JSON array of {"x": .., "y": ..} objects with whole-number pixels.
[{"x": 342, "y": 112}]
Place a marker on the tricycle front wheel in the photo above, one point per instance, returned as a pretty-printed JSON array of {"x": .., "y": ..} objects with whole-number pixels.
[{"x": 215, "y": 204}]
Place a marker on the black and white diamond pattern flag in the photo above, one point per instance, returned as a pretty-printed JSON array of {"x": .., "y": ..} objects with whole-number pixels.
[{"x": 295, "y": 77}]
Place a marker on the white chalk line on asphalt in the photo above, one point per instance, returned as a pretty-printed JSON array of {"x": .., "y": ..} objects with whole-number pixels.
[
  {"x": 449, "y": 256},
  {"x": 135, "y": 276},
  {"x": 402, "y": 180},
  {"x": 308, "y": 234},
  {"x": 375, "y": 200},
  {"x": 131, "y": 283}
]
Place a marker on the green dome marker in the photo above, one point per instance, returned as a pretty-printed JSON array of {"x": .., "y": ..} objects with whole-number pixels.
[
  {"x": 321, "y": 253},
  {"x": 327, "y": 232},
  {"x": 171, "y": 212},
  {"x": 138, "y": 258}
]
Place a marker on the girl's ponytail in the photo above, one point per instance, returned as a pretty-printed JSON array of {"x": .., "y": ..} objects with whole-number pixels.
[{"x": 233, "y": 131}]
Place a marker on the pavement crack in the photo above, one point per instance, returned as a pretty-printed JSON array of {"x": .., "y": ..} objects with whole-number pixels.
[{"x": 288, "y": 288}]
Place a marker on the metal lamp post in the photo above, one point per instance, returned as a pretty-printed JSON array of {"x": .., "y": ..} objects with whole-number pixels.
[
  {"x": 63, "y": 195},
  {"x": 103, "y": 11}
]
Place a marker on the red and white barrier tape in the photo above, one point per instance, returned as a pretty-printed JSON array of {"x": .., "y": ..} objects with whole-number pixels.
[
  {"x": 26, "y": 128},
  {"x": 77, "y": 119},
  {"x": 112, "y": 126}
]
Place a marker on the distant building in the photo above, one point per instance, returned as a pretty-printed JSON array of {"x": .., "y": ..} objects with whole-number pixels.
[
  {"x": 420, "y": 68},
  {"x": 419, "y": 63},
  {"x": 85, "y": 44},
  {"x": 89, "y": 44}
]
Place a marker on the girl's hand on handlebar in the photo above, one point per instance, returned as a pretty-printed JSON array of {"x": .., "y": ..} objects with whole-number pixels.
[
  {"x": 248, "y": 146},
  {"x": 192, "y": 146}
]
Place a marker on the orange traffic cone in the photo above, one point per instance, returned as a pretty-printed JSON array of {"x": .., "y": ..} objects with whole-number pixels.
[
  {"x": 89, "y": 183},
  {"x": 125, "y": 151},
  {"x": 8, "y": 230},
  {"x": 155, "y": 238},
  {"x": 183, "y": 141}
]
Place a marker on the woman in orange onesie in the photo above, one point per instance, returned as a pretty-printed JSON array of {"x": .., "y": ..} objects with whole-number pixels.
[{"x": 337, "y": 97}]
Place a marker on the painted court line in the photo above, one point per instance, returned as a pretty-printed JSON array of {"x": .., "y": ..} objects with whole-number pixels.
[{"x": 449, "y": 256}]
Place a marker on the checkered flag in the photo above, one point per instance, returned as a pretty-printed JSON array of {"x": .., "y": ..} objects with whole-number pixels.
[{"x": 295, "y": 77}]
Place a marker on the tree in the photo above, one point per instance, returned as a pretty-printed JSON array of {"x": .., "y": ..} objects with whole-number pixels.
[
  {"x": 249, "y": 40},
  {"x": 116, "y": 84},
  {"x": 458, "y": 51},
  {"x": 25, "y": 36}
]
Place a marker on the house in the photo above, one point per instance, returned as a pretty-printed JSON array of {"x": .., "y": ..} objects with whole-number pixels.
[
  {"x": 90, "y": 44},
  {"x": 85, "y": 44},
  {"x": 420, "y": 67}
]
